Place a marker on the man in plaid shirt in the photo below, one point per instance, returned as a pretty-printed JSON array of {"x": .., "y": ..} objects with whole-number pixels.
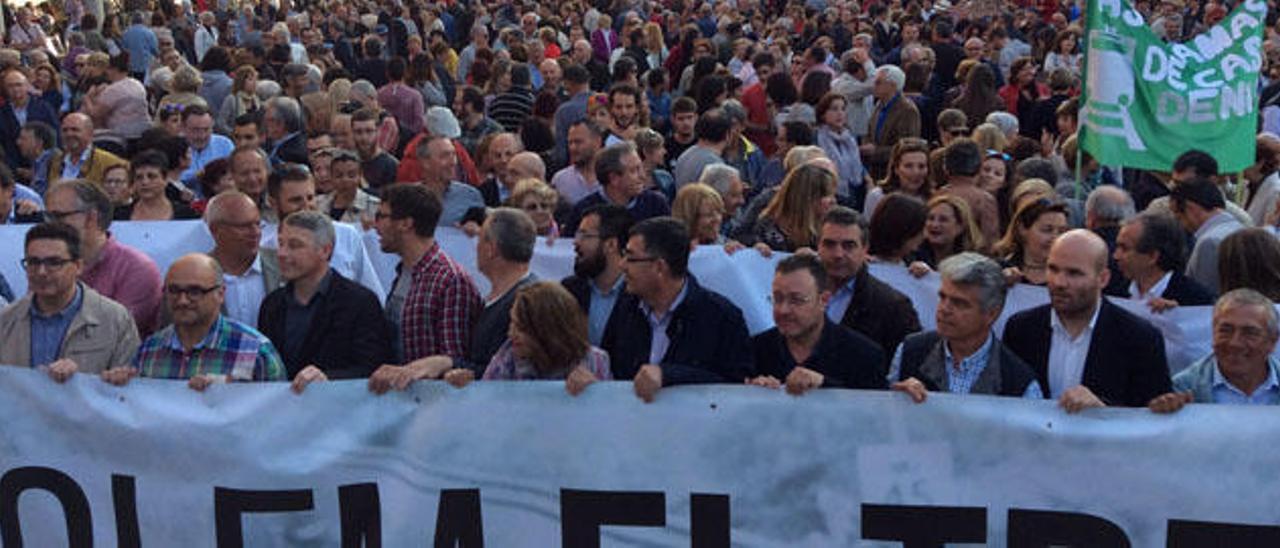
[
  {"x": 433, "y": 303},
  {"x": 203, "y": 345}
]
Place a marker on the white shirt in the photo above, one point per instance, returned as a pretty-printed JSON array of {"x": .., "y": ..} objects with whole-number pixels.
[
  {"x": 1154, "y": 293},
  {"x": 349, "y": 255},
  {"x": 245, "y": 293},
  {"x": 659, "y": 342},
  {"x": 1067, "y": 355}
]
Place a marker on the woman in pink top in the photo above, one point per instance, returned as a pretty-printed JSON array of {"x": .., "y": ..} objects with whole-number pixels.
[{"x": 120, "y": 105}]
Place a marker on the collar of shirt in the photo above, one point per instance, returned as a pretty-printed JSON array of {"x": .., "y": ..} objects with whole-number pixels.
[
  {"x": 840, "y": 300},
  {"x": 976, "y": 359},
  {"x": 1271, "y": 384},
  {"x": 67, "y": 312},
  {"x": 219, "y": 325},
  {"x": 1156, "y": 290},
  {"x": 321, "y": 289},
  {"x": 1056, "y": 324},
  {"x": 615, "y": 289},
  {"x": 275, "y": 149},
  {"x": 427, "y": 258},
  {"x": 44, "y": 157},
  {"x": 105, "y": 256},
  {"x": 1218, "y": 218},
  {"x": 255, "y": 269},
  {"x": 654, "y": 319},
  {"x": 84, "y": 157}
]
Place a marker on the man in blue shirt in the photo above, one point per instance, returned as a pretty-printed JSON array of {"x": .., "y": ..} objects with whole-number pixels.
[
  {"x": 597, "y": 281},
  {"x": 963, "y": 356},
  {"x": 142, "y": 45},
  {"x": 1241, "y": 369},
  {"x": 197, "y": 127}
]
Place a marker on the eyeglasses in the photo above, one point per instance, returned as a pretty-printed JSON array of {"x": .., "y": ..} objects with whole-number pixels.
[
  {"x": 48, "y": 263},
  {"x": 791, "y": 300},
  {"x": 628, "y": 257},
  {"x": 59, "y": 216},
  {"x": 992, "y": 153},
  {"x": 380, "y": 216},
  {"x": 192, "y": 292},
  {"x": 538, "y": 206}
]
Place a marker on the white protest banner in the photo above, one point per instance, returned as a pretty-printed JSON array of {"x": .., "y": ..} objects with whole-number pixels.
[{"x": 518, "y": 464}]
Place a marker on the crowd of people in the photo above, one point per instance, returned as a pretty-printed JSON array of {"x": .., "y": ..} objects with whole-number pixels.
[{"x": 938, "y": 136}]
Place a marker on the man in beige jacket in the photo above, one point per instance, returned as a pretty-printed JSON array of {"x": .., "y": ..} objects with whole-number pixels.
[{"x": 62, "y": 325}]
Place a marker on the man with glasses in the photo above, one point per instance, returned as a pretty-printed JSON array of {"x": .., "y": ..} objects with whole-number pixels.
[
  {"x": 205, "y": 145},
  {"x": 119, "y": 272},
  {"x": 62, "y": 325},
  {"x": 202, "y": 346},
  {"x": 433, "y": 302},
  {"x": 248, "y": 275},
  {"x": 597, "y": 281},
  {"x": 676, "y": 332},
  {"x": 805, "y": 351}
]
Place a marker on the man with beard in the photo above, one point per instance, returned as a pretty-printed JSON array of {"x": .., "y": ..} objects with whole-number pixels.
[
  {"x": 624, "y": 113},
  {"x": 804, "y": 350},
  {"x": 578, "y": 180},
  {"x": 1085, "y": 351},
  {"x": 379, "y": 168},
  {"x": 597, "y": 280}
]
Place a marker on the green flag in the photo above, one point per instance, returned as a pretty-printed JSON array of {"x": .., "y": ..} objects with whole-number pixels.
[{"x": 1147, "y": 101}]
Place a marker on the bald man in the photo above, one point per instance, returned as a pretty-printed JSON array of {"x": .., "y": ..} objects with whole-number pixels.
[
  {"x": 1085, "y": 351},
  {"x": 523, "y": 165},
  {"x": 202, "y": 346},
  {"x": 80, "y": 159}
]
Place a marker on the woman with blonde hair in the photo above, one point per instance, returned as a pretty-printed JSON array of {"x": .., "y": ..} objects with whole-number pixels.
[
  {"x": 793, "y": 218},
  {"x": 654, "y": 45},
  {"x": 339, "y": 93},
  {"x": 539, "y": 200},
  {"x": 546, "y": 340},
  {"x": 989, "y": 137},
  {"x": 243, "y": 98},
  {"x": 908, "y": 174},
  {"x": 1024, "y": 250},
  {"x": 949, "y": 229},
  {"x": 701, "y": 209}
]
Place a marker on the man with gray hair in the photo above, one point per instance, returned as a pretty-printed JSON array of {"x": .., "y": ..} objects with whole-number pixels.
[
  {"x": 1241, "y": 369},
  {"x": 724, "y": 178},
  {"x": 286, "y": 131},
  {"x": 1106, "y": 208},
  {"x": 895, "y": 118},
  {"x": 1007, "y": 123},
  {"x": 324, "y": 325},
  {"x": 963, "y": 356},
  {"x": 503, "y": 252}
]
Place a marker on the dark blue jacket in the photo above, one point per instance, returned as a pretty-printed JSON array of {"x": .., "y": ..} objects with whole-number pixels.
[
  {"x": 37, "y": 110},
  {"x": 709, "y": 340},
  {"x": 844, "y": 357}
]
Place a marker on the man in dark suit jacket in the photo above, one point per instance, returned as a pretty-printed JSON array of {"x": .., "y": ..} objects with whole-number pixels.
[
  {"x": 859, "y": 301},
  {"x": 286, "y": 127},
  {"x": 1150, "y": 250},
  {"x": 678, "y": 332},
  {"x": 805, "y": 350},
  {"x": 20, "y": 108},
  {"x": 324, "y": 325},
  {"x": 894, "y": 118},
  {"x": 597, "y": 281},
  {"x": 1086, "y": 351}
]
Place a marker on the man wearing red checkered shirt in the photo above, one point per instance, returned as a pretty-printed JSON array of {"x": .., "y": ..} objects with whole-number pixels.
[{"x": 433, "y": 303}]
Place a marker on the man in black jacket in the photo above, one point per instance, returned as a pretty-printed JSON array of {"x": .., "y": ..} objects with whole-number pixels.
[
  {"x": 1084, "y": 350},
  {"x": 678, "y": 332},
  {"x": 1150, "y": 250},
  {"x": 324, "y": 325},
  {"x": 804, "y": 350},
  {"x": 859, "y": 301},
  {"x": 597, "y": 281}
]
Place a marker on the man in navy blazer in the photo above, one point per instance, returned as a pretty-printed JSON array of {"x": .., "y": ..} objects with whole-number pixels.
[
  {"x": 1085, "y": 351},
  {"x": 1151, "y": 250},
  {"x": 676, "y": 332},
  {"x": 20, "y": 107}
]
